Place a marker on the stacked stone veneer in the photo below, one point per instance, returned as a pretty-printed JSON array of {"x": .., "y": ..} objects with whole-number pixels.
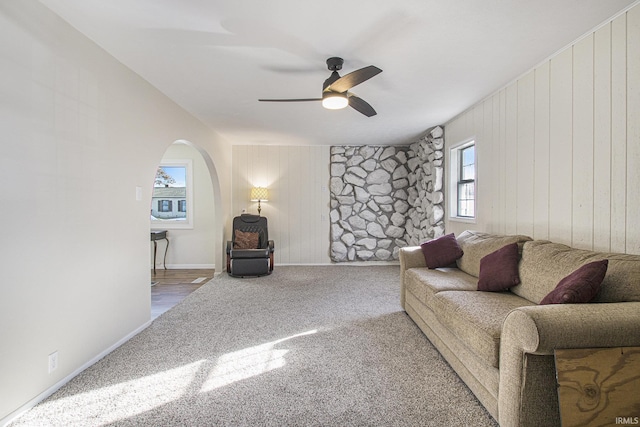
[{"x": 384, "y": 198}]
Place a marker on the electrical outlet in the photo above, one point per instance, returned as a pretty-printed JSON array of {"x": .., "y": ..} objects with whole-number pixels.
[{"x": 53, "y": 361}]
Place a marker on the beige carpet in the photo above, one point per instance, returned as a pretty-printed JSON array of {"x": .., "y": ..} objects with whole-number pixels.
[{"x": 306, "y": 346}]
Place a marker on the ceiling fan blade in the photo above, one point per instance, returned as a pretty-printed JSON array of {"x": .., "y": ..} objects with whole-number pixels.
[
  {"x": 290, "y": 100},
  {"x": 361, "y": 106},
  {"x": 354, "y": 78}
]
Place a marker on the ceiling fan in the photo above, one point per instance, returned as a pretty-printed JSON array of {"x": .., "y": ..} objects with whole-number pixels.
[{"x": 335, "y": 90}]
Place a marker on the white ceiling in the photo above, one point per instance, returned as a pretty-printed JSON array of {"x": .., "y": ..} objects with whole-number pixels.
[{"x": 217, "y": 57}]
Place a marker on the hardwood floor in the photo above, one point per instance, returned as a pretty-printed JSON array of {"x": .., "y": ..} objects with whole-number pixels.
[{"x": 172, "y": 286}]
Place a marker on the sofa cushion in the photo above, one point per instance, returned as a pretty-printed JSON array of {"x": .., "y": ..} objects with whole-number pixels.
[
  {"x": 539, "y": 276},
  {"x": 581, "y": 286},
  {"x": 441, "y": 252},
  {"x": 476, "y": 318},
  {"x": 477, "y": 245},
  {"x": 499, "y": 269},
  {"x": 424, "y": 283}
]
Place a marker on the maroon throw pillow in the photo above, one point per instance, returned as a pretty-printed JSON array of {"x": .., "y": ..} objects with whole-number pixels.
[
  {"x": 441, "y": 252},
  {"x": 581, "y": 286},
  {"x": 499, "y": 269},
  {"x": 246, "y": 240}
]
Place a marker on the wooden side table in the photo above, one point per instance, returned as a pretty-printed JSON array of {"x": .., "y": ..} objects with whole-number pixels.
[
  {"x": 599, "y": 386},
  {"x": 155, "y": 236}
]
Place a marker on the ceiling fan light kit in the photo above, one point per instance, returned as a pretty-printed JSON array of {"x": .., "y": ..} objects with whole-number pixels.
[
  {"x": 335, "y": 90},
  {"x": 334, "y": 100}
]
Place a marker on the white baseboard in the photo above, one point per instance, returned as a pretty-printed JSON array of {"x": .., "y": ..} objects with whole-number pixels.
[
  {"x": 48, "y": 392},
  {"x": 188, "y": 266}
]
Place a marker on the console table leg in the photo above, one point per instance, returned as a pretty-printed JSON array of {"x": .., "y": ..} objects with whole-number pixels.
[
  {"x": 155, "y": 249},
  {"x": 164, "y": 261}
]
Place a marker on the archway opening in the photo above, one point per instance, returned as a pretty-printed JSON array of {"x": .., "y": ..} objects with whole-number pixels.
[{"x": 185, "y": 220}]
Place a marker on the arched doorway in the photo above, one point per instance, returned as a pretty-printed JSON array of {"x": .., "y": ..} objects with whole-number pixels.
[{"x": 186, "y": 204}]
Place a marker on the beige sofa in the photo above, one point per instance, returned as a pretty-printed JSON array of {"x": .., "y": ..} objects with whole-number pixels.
[{"x": 502, "y": 343}]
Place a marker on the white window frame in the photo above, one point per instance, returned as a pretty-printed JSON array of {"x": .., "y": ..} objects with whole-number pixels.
[
  {"x": 188, "y": 222},
  {"x": 455, "y": 153}
]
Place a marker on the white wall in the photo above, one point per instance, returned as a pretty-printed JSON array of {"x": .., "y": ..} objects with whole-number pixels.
[
  {"x": 78, "y": 131},
  {"x": 194, "y": 247},
  {"x": 298, "y": 206},
  {"x": 558, "y": 151}
]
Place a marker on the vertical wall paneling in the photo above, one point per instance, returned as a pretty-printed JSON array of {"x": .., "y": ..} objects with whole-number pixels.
[
  {"x": 541, "y": 154},
  {"x": 468, "y": 122},
  {"x": 602, "y": 140},
  {"x": 284, "y": 208},
  {"x": 583, "y": 165},
  {"x": 298, "y": 169},
  {"x": 322, "y": 174},
  {"x": 305, "y": 195},
  {"x": 487, "y": 174},
  {"x": 239, "y": 178},
  {"x": 294, "y": 176},
  {"x": 272, "y": 209},
  {"x": 565, "y": 145},
  {"x": 618, "y": 133},
  {"x": 318, "y": 224},
  {"x": 502, "y": 143},
  {"x": 560, "y": 144},
  {"x": 495, "y": 171},
  {"x": 511, "y": 156},
  {"x": 482, "y": 152},
  {"x": 453, "y": 135},
  {"x": 633, "y": 131},
  {"x": 525, "y": 152}
]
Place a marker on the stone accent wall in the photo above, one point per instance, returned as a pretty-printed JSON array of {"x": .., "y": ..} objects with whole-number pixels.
[{"x": 385, "y": 198}]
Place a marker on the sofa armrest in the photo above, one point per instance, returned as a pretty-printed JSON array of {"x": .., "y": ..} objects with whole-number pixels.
[
  {"x": 543, "y": 328},
  {"x": 410, "y": 257},
  {"x": 529, "y": 337}
]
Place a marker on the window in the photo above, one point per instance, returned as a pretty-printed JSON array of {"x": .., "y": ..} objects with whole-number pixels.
[
  {"x": 467, "y": 182},
  {"x": 463, "y": 182},
  {"x": 172, "y": 200},
  {"x": 165, "y": 206}
]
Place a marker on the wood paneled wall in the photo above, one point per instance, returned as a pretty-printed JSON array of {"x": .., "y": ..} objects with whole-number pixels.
[
  {"x": 298, "y": 207},
  {"x": 558, "y": 151}
]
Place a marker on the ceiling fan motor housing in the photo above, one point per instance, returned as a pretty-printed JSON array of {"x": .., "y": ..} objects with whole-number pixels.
[{"x": 334, "y": 63}]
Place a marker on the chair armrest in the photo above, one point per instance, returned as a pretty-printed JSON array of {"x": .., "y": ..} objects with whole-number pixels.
[
  {"x": 249, "y": 253},
  {"x": 272, "y": 248},
  {"x": 229, "y": 246},
  {"x": 410, "y": 257}
]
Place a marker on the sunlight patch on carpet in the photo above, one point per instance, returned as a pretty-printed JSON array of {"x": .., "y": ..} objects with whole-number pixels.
[
  {"x": 249, "y": 362},
  {"x": 124, "y": 400}
]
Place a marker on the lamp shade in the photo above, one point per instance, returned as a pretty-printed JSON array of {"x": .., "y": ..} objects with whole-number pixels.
[{"x": 259, "y": 194}]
